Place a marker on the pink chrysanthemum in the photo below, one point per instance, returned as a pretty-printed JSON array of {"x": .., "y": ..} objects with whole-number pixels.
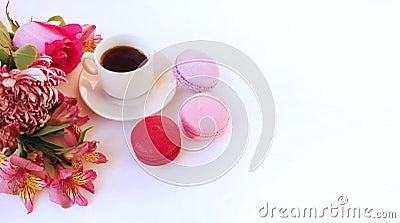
[{"x": 27, "y": 96}]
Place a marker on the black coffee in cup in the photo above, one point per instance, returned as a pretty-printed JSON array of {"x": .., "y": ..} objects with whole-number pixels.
[{"x": 122, "y": 59}]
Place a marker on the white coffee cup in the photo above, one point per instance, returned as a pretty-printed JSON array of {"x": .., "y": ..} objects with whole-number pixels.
[{"x": 116, "y": 83}]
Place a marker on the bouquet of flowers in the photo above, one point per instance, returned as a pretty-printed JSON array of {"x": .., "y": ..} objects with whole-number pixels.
[{"x": 42, "y": 140}]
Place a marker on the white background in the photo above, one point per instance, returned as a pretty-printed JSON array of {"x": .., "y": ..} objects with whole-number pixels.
[{"x": 333, "y": 67}]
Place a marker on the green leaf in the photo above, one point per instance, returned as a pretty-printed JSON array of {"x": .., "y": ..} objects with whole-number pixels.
[
  {"x": 11, "y": 64},
  {"x": 58, "y": 19},
  {"x": 61, "y": 132},
  {"x": 5, "y": 35},
  {"x": 39, "y": 144},
  {"x": 50, "y": 129},
  {"x": 22, "y": 152},
  {"x": 5, "y": 45},
  {"x": 64, "y": 150},
  {"x": 53, "y": 160},
  {"x": 82, "y": 137},
  {"x": 4, "y": 57},
  {"x": 25, "y": 56},
  {"x": 14, "y": 24}
]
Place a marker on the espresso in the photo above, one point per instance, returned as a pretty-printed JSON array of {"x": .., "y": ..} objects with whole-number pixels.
[{"x": 122, "y": 59}]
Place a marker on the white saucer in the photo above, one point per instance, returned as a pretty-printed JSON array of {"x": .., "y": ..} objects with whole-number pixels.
[{"x": 101, "y": 103}]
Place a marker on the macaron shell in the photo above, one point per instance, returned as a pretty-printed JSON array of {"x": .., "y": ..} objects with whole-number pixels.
[
  {"x": 204, "y": 116},
  {"x": 158, "y": 162},
  {"x": 196, "y": 71},
  {"x": 156, "y": 140}
]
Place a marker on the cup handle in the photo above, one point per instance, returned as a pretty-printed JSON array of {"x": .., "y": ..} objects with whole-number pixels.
[{"x": 88, "y": 56}]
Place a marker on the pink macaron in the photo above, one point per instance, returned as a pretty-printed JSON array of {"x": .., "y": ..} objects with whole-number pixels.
[
  {"x": 156, "y": 140},
  {"x": 203, "y": 117},
  {"x": 196, "y": 71}
]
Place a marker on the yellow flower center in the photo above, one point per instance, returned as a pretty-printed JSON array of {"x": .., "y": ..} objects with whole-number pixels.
[
  {"x": 91, "y": 157},
  {"x": 3, "y": 159},
  {"x": 90, "y": 45},
  {"x": 71, "y": 191},
  {"x": 78, "y": 178},
  {"x": 76, "y": 163},
  {"x": 29, "y": 186}
]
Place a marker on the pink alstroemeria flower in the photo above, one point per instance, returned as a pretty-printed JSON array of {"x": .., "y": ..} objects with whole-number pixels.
[
  {"x": 86, "y": 151},
  {"x": 67, "y": 112},
  {"x": 5, "y": 169},
  {"x": 65, "y": 188},
  {"x": 72, "y": 135},
  {"x": 89, "y": 39},
  {"x": 25, "y": 178}
]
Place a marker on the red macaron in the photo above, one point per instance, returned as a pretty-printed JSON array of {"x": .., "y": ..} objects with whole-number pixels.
[{"x": 156, "y": 140}]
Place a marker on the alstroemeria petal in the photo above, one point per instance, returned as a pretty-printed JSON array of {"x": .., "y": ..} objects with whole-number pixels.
[
  {"x": 72, "y": 135},
  {"x": 87, "y": 32},
  {"x": 24, "y": 163},
  {"x": 4, "y": 187},
  {"x": 89, "y": 39},
  {"x": 81, "y": 200},
  {"x": 56, "y": 195},
  {"x": 81, "y": 149},
  {"x": 3, "y": 159},
  {"x": 28, "y": 201},
  {"x": 36, "y": 157},
  {"x": 28, "y": 189},
  {"x": 44, "y": 175},
  {"x": 92, "y": 146},
  {"x": 77, "y": 163},
  {"x": 65, "y": 173},
  {"x": 84, "y": 179},
  {"x": 66, "y": 112},
  {"x": 6, "y": 171},
  {"x": 89, "y": 187},
  {"x": 64, "y": 190},
  {"x": 82, "y": 120},
  {"x": 95, "y": 157}
]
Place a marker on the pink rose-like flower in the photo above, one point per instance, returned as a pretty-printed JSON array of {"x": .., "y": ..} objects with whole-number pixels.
[{"x": 59, "y": 42}]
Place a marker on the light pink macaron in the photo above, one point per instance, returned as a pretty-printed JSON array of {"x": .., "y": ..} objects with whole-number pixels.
[
  {"x": 203, "y": 117},
  {"x": 196, "y": 71}
]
